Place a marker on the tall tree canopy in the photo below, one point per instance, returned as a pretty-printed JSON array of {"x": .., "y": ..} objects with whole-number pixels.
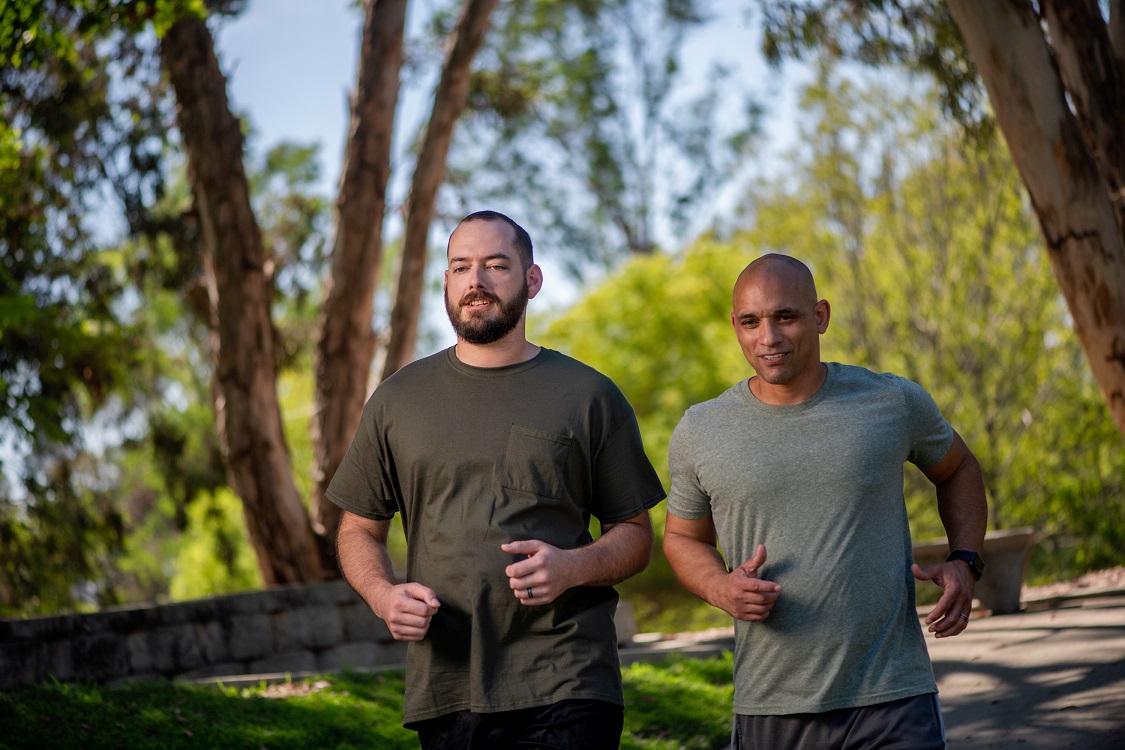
[
  {"x": 1055, "y": 77},
  {"x": 87, "y": 106},
  {"x": 600, "y": 135},
  {"x": 66, "y": 349}
]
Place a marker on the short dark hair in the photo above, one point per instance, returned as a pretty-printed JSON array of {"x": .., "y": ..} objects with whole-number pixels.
[{"x": 522, "y": 241}]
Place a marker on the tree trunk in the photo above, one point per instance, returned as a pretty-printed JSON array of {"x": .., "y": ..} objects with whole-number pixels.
[
  {"x": 1077, "y": 218},
  {"x": 247, "y": 410},
  {"x": 449, "y": 100},
  {"x": 1117, "y": 29},
  {"x": 347, "y": 340},
  {"x": 1094, "y": 79}
]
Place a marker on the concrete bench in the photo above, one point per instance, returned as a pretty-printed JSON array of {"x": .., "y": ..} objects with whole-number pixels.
[{"x": 1005, "y": 556}]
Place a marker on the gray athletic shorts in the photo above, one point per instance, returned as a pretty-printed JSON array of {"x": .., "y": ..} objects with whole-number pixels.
[{"x": 907, "y": 724}]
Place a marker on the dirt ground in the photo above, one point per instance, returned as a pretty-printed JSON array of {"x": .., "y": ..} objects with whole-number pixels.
[{"x": 1092, "y": 582}]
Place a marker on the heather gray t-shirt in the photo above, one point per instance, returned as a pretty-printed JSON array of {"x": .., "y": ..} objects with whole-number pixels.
[
  {"x": 820, "y": 484},
  {"x": 475, "y": 457}
]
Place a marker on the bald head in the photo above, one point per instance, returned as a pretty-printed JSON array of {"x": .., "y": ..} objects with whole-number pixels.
[
  {"x": 782, "y": 269},
  {"x": 778, "y": 322}
]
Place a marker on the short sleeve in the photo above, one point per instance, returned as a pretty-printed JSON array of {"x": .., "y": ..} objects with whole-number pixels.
[
  {"x": 930, "y": 434},
  {"x": 362, "y": 484},
  {"x": 687, "y": 498},
  {"x": 625, "y": 484}
]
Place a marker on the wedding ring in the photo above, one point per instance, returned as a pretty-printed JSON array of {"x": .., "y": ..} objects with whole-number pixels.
[
  {"x": 530, "y": 595},
  {"x": 963, "y": 616}
]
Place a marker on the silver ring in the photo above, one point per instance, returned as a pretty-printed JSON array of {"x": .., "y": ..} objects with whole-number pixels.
[
  {"x": 963, "y": 616},
  {"x": 530, "y": 595}
]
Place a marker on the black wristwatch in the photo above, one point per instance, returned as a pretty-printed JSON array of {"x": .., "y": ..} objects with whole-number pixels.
[{"x": 976, "y": 564}]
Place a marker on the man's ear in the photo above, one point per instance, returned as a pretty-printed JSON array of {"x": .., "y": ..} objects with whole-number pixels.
[
  {"x": 534, "y": 280},
  {"x": 823, "y": 312}
]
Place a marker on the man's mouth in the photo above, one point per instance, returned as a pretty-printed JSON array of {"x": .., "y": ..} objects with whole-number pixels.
[
  {"x": 773, "y": 357},
  {"x": 478, "y": 301}
]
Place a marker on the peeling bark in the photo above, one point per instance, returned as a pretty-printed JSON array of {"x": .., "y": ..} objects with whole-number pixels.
[
  {"x": 449, "y": 100},
  {"x": 245, "y": 393},
  {"x": 1095, "y": 80},
  {"x": 347, "y": 341},
  {"x": 1069, "y": 195}
]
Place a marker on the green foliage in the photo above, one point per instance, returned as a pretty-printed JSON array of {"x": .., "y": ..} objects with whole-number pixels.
[
  {"x": 679, "y": 704},
  {"x": 920, "y": 36},
  {"x": 105, "y": 342},
  {"x": 673, "y": 705},
  {"x": 66, "y": 350},
  {"x": 341, "y": 711},
  {"x": 214, "y": 556},
  {"x": 58, "y": 537}
]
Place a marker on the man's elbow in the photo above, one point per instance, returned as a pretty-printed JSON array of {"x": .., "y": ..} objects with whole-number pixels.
[{"x": 641, "y": 547}]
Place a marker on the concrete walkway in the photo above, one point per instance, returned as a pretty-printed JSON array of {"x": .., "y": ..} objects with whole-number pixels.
[
  {"x": 1050, "y": 676},
  {"x": 1040, "y": 679}
]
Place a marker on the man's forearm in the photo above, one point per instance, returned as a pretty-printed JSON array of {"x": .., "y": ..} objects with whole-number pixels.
[
  {"x": 365, "y": 563},
  {"x": 623, "y": 550},
  {"x": 963, "y": 507},
  {"x": 698, "y": 566}
]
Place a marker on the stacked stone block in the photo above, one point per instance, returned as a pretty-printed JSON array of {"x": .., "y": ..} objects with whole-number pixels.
[{"x": 289, "y": 629}]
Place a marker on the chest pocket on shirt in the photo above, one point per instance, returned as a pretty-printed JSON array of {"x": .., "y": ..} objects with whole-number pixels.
[{"x": 536, "y": 462}]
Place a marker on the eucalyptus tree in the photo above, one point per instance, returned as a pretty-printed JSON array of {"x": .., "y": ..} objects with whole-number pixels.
[{"x": 1054, "y": 75}]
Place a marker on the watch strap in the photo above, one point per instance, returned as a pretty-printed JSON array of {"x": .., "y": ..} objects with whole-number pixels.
[{"x": 976, "y": 563}]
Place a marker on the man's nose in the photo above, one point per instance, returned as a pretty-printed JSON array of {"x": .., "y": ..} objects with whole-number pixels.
[
  {"x": 476, "y": 277},
  {"x": 769, "y": 332}
]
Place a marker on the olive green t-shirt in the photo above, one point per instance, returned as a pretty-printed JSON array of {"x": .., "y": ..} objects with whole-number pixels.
[{"x": 476, "y": 457}]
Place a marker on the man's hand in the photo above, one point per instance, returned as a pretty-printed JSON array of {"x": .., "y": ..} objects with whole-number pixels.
[
  {"x": 951, "y": 615},
  {"x": 543, "y": 573},
  {"x": 407, "y": 609},
  {"x": 748, "y": 597}
]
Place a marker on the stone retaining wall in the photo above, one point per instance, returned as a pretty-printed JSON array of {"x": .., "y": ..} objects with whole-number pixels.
[
  {"x": 290, "y": 629},
  {"x": 285, "y": 629}
]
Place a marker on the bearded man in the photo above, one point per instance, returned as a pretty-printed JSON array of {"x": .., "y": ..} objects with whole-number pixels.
[{"x": 496, "y": 452}]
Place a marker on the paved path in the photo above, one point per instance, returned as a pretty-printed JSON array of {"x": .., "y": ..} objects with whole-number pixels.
[
  {"x": 1049, "y": 677},
  {"x": 1040, "y": 680}
]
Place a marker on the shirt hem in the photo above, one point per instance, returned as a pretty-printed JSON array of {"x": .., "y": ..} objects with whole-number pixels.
[
  {"x": 492, "y": 708},
  {"x": 818, "y": 708}
]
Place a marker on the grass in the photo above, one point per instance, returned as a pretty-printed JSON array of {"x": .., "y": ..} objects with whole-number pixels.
[{"x": 680, "y": 703}]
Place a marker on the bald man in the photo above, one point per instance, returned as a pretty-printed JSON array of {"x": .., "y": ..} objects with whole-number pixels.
[{"x": 796, "y": 474}]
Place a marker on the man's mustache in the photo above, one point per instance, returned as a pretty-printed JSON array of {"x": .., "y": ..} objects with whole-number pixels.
[{"x": 475, "y": 296}]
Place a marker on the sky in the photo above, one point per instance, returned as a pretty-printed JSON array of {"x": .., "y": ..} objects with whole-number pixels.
[{"x": 291, "y": 66}]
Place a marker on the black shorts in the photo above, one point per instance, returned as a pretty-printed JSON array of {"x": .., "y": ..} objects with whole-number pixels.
[
  {"x": 906, "y": 724},
  {"x": 567, "y": 725}
]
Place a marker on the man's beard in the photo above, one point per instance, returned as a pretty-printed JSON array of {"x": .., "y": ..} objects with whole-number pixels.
[{"x": 480, "y": 330}]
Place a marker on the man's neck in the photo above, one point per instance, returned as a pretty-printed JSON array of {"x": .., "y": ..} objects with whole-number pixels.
[
  {"x": 510, "y": 350},
  {"x": 792, "y": 393}
]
